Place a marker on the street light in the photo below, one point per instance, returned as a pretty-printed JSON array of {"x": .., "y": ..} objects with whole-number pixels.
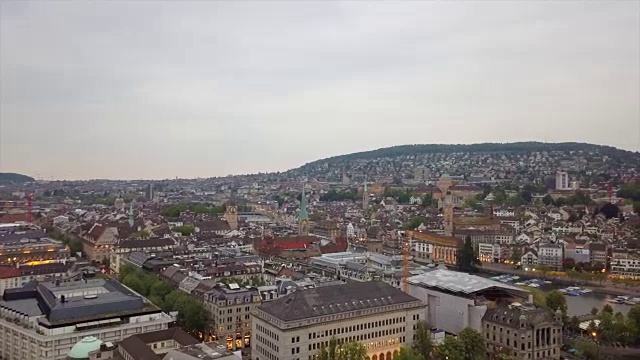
[{"x": 595, "y": 339}]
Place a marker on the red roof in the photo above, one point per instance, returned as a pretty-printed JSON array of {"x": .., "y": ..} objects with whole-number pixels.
[
  {"x": 7, "y": 272},
  {"x": 12, "y": 218}
]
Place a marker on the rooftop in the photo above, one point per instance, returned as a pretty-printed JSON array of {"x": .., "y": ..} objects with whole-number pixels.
[
  {"x": 335, "y": 299},
  {"x": 459, "y": 282}
]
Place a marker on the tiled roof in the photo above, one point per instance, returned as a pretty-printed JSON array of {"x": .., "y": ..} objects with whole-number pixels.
[{"x": 7, "y": 272}]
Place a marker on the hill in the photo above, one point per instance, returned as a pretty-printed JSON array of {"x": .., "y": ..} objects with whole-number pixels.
[
  {"x": 492, "y": 161},
  {"x": 13, "y": 178}
]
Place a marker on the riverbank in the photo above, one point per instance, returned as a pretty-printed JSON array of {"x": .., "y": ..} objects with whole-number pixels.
[{"x": 606, "y": 287}]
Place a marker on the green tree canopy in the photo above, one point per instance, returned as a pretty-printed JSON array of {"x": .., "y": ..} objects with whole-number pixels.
[
  {"x": 346, "y": 351},
  {"x": 408, "y": 354},
  {"x": 556, "y": 300},
  {"x": 422, "y": 344},
  {"x": 467, "y": 258}
]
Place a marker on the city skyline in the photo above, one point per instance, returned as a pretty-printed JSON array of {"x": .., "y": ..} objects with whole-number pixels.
[{"x": 135, "y": 90}]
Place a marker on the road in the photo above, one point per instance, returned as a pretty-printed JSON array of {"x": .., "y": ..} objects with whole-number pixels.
[{"x": 606, "y": 287}]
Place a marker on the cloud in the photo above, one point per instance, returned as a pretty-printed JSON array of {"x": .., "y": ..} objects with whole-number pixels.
[{"x": 163, "y": 89}]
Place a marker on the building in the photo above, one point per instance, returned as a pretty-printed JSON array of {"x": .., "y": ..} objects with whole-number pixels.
[
  {"x": 373, "y": 313},
  {"x": 625, "y": 264},
  {"x": 9, "y": 278},
  {"x": 150, "y": 246},
  {"x": 578, "y": 250},
  {"x": 598, "y": 253},
  {"x": 457, "y": 300},
  {"x": 149, "y": 193},
  {"x": 326, "y": 228},
  {"x": 43, "y": 320},
  {"x": 551, "y": 256},
  {"x": 231, "y": 215},
  {"x": 230, "y": 307},
  {"x": 562, "y": 180},
  {"x": 154, "y": 345},
  {"x": 434, "y": 248},
  {"x": 523, "y": 331},
  {"x": 19, "y": 246}
]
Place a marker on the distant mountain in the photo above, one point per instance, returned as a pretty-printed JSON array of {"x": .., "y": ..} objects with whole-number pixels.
[
  {"x": 13, "y": 178},
  {"x": 499, "y": 161}
]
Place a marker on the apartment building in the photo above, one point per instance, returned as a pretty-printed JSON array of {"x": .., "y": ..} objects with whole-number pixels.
[
  {"x": 523, "y": 331},
  {"x": 44, "y": 320},
  {"x": 625, "y": 264},
  {"x": 551, "y": 255},
  {"x": 296, "y": 326},
  {"x": 19, "y": 246},
  {"x": 230, "y": 307}
]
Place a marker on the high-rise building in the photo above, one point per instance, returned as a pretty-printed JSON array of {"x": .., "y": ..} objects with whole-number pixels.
[
  {"x": 298, "y": 325},
  {"x": 562, "y": 180},
  {"x": 149, "y": 192}
]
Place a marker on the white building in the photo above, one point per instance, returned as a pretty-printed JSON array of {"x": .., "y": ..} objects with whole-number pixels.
[
  {"x": 625, "y": 264},
  {"x": 373, "y": 313},
  {"x": 456, "y": 300},
  {"x": 45, "y": 320},
  {"x": 551, "y": 255}
]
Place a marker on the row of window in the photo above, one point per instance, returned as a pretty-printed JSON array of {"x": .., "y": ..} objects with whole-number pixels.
[{"x": 358, "y": 327}]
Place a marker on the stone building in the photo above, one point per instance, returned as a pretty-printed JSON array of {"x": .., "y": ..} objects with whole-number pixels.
[
  {"x": 296, "y": 326},
  {"x": 523, "y": 331}
]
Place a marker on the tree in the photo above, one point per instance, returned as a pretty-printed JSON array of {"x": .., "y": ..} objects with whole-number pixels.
[
  {"x": 427, "y": 200},
  {"x": 451, "y": 349},
  {"x": 594, "y": 311},
  {"x": 185, "y": 230},
  {"x": 133, "y": 282},
  {"x": 516, "y": 255},
  {"x": 467, "y": 259},
  {"x": 607, "y": 308},
  {"x": 347, "y": 351},
  {"x": 547, "y": 200},
  {"x": 408, "y": 354},
  {"x": 556, "y": 300},
  {"x": 505, "y": 357},
  {"x": 610, "y": 210},
  {"x": 142, "y": 234},
  {"x": 160, "y": 289},
  {"x": 473, "y": 344},
  {"x": 422, "y": 344}
]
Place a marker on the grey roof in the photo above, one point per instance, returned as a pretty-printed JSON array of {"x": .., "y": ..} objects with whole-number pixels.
[
  {"x": 459, "y": 282},
  {"x": 111, "y": 298},
  {"x": 330, "y": 300},
  {"x": 511, "y": 315}
]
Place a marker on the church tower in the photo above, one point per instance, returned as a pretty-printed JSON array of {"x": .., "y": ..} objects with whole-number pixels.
[
  {"x": 303, "y": 216},
  {"x": 365, "y": 195},
  {"x": 231, "y": 214},
  {"x": 448, "y": 214},
  {"x": 131, "y": 219}
]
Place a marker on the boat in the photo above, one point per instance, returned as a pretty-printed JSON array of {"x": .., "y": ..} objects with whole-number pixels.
[
  {"x": 533, "y": 285},
  {"x": 585, "y": 291},
  {"x": 520, "y": 283},
  {"x": 615, "y": 301},
  {"x": 632, "y": 301}
]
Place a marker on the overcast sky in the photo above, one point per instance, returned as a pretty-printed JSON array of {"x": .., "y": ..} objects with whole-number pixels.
[{"x": 145, "y": 89}]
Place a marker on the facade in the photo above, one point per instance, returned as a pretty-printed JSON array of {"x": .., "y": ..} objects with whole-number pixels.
[
  {"x": 303, "y": 215},
  {"x": 230, "y": 307},
  {"x": 598, "y": 253},
  {"x": 97, "y": 243},
  {"x": 326, "y": 228},
  {"x": 124, "y": 247},
  {"x": 551, "y": 255},
  {"x": 231, "y": 216},
  {"x": 562, "y": 180},
  {"x": 45, "y": 320},
  {"x": 439, "y": 248},
  {"x": 523, "y": 331},
  {"x": 579, "y": 251},
  {"x": 625, "y": 264},
  {"x": 9, "y": 278},
  {"x": 20, "y": 247},
  {"x": 456, "y": 300},
  {"x": 296, "y": 326}
]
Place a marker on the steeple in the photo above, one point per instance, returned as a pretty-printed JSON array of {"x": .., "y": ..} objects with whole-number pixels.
[
  {"x": 131, "y": 214},
  {"x": 365, "y": 195},
  {"x": 303, "y": 216}
]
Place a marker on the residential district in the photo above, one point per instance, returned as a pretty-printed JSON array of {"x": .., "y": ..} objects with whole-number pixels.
[{"x": 362, "y": 266}]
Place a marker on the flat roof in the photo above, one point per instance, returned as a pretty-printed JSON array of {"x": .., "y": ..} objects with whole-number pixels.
[{"x": 459, "y": 282}]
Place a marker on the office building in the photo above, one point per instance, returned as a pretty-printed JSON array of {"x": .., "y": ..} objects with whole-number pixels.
[
  {"x": 44, "y": 320},
  {"x": 296, "y": 326}
]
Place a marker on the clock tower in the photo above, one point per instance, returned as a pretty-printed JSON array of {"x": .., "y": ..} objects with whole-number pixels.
[{"x": 231, "y": 215}]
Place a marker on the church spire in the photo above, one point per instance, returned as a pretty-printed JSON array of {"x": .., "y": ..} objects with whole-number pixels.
[
  {"x": 365, "y": 195},
  {"x": 131, "y": 214},
  {"x": 303, "y": 215}
]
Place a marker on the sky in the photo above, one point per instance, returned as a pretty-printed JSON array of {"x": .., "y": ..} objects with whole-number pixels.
[{"x": 159, "y": 89}]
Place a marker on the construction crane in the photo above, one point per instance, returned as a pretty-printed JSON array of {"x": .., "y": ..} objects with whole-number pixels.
[
  {"x": 29, "y": 198},
  {"x": 405, "y": 261}
]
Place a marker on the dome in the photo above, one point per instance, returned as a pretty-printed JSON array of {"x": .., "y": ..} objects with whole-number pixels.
[{"x": 85, "y": 346}]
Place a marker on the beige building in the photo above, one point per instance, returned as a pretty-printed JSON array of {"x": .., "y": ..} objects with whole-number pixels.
[
  {"x": 523, "y": 331},
  {"x": 230, "y": 307},
  {"x": 296, "y": 326}
]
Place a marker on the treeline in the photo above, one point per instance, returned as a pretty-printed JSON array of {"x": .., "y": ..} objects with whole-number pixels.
[
  {"x": 174, "y": 211},
  {"x": 413, "y": 150},
  {"x": 192, "y": 316},
  {"x": 614, "y": 328},
  {"x": 74, "y": 243}
]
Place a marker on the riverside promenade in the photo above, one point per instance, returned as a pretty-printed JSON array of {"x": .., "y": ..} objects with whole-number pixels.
[{"x": 606, "y": 287}]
